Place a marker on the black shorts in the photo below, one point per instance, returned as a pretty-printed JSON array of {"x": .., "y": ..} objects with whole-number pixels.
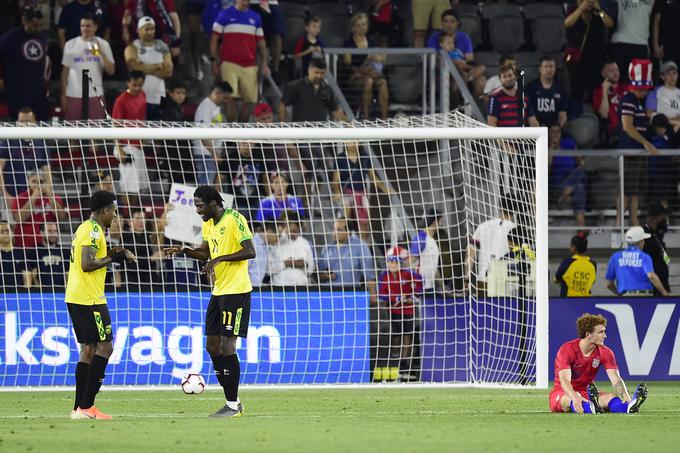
[
  {"x": 92, "y": 323},
  {"x": 228, "y": 315},
  {"x": 402, "y": 324}
]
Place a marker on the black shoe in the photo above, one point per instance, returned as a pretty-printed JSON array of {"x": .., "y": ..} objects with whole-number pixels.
[
  {"x": 227, "y": 412},
  {"x": 594, "y": 397},
  {"x": 639, "y": 398}
]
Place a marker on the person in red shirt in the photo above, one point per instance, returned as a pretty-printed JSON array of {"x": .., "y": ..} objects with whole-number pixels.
[
  {"x": 33, "y": 207},
  {"x": 606, "y": 107},
  {"x": 576, "y": 367},
  {"x": 400, "y": 290},
  {"x": 130, "y": 105}
]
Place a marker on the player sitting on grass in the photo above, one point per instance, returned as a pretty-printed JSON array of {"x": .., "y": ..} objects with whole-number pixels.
[
  {"x": 86, "y": 301},
  {"x": 227, "y": 245},
  {"x": 576, "y": 366}
]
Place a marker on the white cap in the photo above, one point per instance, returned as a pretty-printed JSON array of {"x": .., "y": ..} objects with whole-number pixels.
[
  {"x": 636, "y": 234},
  {"x": 146, "y": 20}
]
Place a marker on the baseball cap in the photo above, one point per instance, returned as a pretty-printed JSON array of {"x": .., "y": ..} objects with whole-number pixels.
[
  {"x": 145, "y": 20},
  {"x": 640, "y": 75},
  {"x": 636, "y": 234},
  {"x": 262, "y": 109},
  {"x": 396, "y": 254},
  {"x": 668, "y": 66}
]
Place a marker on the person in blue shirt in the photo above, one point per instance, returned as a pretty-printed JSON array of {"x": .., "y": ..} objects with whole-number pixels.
[
  {"x": 279, "y": 200},
  {"x": 348, "y": 262},
  {"x": 567, "y": 181},
  {"x": 630, "y": 271}
]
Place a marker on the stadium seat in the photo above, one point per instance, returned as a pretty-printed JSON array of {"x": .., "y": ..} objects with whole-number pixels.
[
  {"x": 489, "y": 60},
  {"x": 404, "y": 79},
  {"x": 584, "y": 130},
  {"x": 529, "y": 61},
  {"x": 328, "y": 9},
  {"x": 470, "y": 22},
  {"x": 293, "y": 9},
  {"x": 295, "y": 27},
  {"x": 335, "y": 30},
  {"x": 547, "y": 26},
  {"x": 505, "y": 26}
]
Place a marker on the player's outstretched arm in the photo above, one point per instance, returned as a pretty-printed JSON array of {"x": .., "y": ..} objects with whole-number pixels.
[
  {"x": 576, "y": 398},
  {"x": 201, "y": 253},
  {"x": 618, "y": 385}
]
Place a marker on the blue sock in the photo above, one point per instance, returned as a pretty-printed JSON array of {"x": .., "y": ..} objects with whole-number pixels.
[
  {"x": 616, "y": 405},
  {"x": 587, "y": 408}
]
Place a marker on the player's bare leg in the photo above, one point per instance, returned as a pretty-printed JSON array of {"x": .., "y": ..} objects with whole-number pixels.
[
  {"x": 407, "y": 354},
  {"x": 395, "y": 357}
]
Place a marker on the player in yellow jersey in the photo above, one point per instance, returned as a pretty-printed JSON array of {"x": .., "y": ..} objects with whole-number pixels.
[
  {"x": 86, "y": 301},
  {"x": 227, "y": 245}
]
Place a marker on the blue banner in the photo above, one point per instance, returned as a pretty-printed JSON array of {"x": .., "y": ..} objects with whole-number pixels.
[
  {"x": 643, "y": 333},
  {"x": 293, "y": 338}
]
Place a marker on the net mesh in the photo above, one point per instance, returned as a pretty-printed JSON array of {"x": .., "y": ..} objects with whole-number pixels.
[{"x": 377, "y": 261}]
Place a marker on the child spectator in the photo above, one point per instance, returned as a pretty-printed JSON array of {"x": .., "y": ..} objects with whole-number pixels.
[
  {"x": 467, "y": 71},
  {"x": 400, "y": 289},
  {"x": 310, "y": 45},
  {"x": 264, "y": 237},
  {"x": 171, "y": 105}
]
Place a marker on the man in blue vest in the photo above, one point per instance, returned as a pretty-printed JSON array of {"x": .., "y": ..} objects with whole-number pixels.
[{"x": 630, "y": 271}]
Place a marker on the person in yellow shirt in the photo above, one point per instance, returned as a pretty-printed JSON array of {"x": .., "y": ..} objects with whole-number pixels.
[
  {"x": 86, "y": 301},
  {"x": 227, "y": 245},
  {"x": 576, "y": 275}
]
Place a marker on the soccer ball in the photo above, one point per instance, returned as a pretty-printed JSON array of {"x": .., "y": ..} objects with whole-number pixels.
[{"x": 193, "y": 384}]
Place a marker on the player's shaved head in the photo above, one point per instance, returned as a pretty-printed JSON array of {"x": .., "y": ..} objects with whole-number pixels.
[{"x": 587, "y": 322}]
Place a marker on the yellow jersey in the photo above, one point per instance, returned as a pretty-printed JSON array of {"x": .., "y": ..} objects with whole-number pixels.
[
  {"x": 576, "y": 276},
  {"x": 224, "y": 238},
  {"x": 86, "y": 288}
]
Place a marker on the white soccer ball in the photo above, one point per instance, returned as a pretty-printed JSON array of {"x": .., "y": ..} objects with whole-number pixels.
[{"x": 193, "y": 384}]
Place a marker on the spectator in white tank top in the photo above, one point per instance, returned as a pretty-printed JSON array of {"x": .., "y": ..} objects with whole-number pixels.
[{"x": 152, "y": 57}]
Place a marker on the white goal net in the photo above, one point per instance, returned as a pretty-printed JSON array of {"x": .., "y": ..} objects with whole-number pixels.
[{"x": 413, "y": 250}]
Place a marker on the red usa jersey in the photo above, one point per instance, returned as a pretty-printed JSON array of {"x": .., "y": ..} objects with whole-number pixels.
[
  {"x": 400, "y": 289},
  {"x": 583, "y": 369}
]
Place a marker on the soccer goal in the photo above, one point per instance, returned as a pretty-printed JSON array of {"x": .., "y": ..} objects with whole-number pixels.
[{"x": 412, "y": 250}]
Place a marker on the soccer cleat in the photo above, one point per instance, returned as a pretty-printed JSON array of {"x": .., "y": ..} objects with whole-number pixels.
[
  {"x": 639, "y": 398},
  {"x": 227, "y": 412},
  {"x": 91, "y": 413},
  {"x": 594, "y": 397}
]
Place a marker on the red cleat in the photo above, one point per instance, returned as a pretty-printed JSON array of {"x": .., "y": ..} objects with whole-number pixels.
[{"x": 90, "y": 413}]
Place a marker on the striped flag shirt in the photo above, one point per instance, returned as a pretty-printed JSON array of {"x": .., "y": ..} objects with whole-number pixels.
[
  {"x": 506, "y": 109},
  {"x": 240, "y": 31},
  {"x": 630, "y": 105}
]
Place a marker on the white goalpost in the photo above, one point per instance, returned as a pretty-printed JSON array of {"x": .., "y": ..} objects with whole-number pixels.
[{"x": 411, "y": 250}]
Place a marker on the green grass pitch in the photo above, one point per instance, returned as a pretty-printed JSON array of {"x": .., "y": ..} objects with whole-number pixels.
[{"x": 336, "y": 420}]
